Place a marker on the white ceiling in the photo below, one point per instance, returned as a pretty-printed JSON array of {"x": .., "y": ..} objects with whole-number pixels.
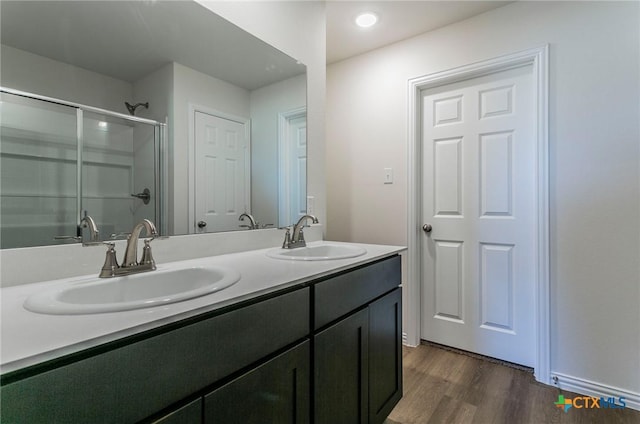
[
  {"x": 398, "y": 20},
  {"x": 130, "y": 39}
]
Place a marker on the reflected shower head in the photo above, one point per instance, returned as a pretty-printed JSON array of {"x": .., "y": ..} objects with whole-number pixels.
[{"x": 132, "y": 108}]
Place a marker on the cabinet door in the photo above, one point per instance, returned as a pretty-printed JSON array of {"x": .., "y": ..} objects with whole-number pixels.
[
  {"x": 385, "y": 355},
  {"x": 341, "y": 371},
  {"x": 276, "y": 392}
]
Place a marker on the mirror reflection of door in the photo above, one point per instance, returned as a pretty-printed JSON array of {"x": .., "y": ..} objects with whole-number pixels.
[
  {"x": 292, "y": 170},
  {"x": 222, "y": 189}
]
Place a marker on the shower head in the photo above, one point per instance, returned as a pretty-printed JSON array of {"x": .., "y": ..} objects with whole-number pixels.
[{"x": 132, "y": 108}]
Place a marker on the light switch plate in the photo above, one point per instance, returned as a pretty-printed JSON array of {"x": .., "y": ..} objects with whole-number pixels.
[
  {"x": 388, "y": 175},
  {"x": 311, "y": 205}
]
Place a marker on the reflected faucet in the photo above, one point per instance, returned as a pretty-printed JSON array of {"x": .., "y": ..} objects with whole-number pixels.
[
  {"x": 297, "y": 238},
  {"x": 88, "y": 222},
  {"x": 85, "y": 222},
  {"x": 253, "y": 224},
  {"x": 130, "y": 264}
]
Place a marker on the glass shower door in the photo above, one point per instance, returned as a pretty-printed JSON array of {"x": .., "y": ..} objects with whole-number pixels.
[
  {"x": 118, "y": 173},
  {"x": 38, "y": 172}
]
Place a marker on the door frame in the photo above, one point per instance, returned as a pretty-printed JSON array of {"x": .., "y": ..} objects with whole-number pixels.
[
  {"x": 284, "y": 162},
  {"x": 246, "y": 123},
  {"x": 538, "y": 58}
]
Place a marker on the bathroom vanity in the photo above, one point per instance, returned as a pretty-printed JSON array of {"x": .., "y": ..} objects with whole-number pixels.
[{"x": 291, "y": 342}]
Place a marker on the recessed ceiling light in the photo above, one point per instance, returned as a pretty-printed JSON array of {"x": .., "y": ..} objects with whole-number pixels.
[{"x": 367, "y": 19}]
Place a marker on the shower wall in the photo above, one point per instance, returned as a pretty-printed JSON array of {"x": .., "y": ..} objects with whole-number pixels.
[{"x": 109, "y": 174}]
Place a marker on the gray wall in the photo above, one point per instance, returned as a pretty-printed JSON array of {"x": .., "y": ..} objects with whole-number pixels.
[
  {"x": 266, "y": 103},
  {"x": 29, "y": 72}
]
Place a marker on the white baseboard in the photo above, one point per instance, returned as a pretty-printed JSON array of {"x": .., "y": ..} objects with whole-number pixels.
[
  {"x": 590, "y": 388},
  {"x": 405, "y": 340}
]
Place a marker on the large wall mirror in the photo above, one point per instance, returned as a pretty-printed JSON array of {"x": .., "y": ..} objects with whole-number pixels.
[{"x": 234, "y": 108}]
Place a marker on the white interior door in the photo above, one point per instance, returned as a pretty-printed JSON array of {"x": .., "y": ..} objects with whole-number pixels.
[
  {"x": 479, "y": 173},
  {"x": 293, "y": 167},
  {"x": 221, "y": 173},
  {"x": 298, "y": 167}
]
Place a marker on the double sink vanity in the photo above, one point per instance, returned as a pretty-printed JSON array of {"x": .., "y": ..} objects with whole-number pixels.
[
  {"x": 206, "y": 331},
  {"x": 311, "y": 334}
]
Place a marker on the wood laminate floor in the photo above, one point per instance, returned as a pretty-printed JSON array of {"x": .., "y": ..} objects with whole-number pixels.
[{"x": 442, "y": 386}]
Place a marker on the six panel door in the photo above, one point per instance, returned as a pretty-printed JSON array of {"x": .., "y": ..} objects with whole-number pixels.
[{"x": 479, "y": 194}]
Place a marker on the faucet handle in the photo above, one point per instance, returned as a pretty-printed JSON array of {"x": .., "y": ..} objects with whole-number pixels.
[
  {"x": 301, "y": 237},
  {"x": 147, "y": 257},
  {"x": 287, "y": 237},
  {"x": 110, "y": 261}
]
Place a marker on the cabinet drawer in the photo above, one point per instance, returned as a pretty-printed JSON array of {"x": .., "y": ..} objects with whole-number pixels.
[
  {"x": 132, "y": 382},
  {"x": 344, "y": 293}
]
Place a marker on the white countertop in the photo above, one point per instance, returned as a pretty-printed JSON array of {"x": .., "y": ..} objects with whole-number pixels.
[{"x": 30, "y": 338}]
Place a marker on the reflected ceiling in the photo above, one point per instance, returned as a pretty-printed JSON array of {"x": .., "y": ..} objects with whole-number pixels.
[{"x": 149, "y": 35}]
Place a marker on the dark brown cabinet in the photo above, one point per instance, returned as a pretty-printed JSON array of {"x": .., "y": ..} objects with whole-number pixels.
[
  {"x": 133, "y": 380},
  {"x": 190, "y": 413},
  {"x": 275, "y": 392},
  {"x": 326, "y": 351},
  {"x": 358, "y": 358},
  {"x": 341, "y": 371},
  {"x": 385, "y": 355},
  {"x": 358, "y": 364}
]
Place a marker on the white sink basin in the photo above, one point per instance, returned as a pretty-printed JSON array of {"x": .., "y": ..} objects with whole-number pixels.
[
  {"x": 320, "y": 252},
  {"x": 144, "y": 290}
]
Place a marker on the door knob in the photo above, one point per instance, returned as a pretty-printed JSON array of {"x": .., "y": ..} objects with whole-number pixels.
[
  {"x": 202, "y": 224},
  {"x": 427, "y": 228}
]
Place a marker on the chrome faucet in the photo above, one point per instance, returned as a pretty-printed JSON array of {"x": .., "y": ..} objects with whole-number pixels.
[
  {"x": 131, "y": 253},
  {"x": 291, "y": 241},
  {"x": 253, "y": 224},
  {"x": 130, "y": 264}
]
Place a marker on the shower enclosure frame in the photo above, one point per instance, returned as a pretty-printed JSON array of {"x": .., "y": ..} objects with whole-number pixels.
[{"x": 160, "y": 159}]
